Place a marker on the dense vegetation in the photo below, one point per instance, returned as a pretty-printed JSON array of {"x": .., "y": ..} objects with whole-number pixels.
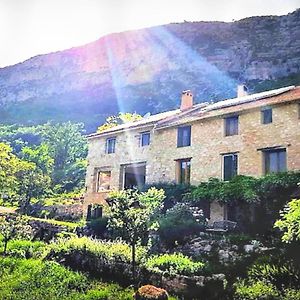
[
  {"x": 146, "y": 236},
  {"x": 40, "y": 162}
]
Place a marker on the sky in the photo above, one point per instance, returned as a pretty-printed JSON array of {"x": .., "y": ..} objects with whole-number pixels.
[{"x": 32, "y": 27}]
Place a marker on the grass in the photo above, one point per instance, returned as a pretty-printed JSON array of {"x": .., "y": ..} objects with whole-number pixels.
[{"x": 33, "y": 279}]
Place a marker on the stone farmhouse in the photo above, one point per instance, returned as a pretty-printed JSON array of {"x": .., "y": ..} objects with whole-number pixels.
[{"x": 248, "y": 135}]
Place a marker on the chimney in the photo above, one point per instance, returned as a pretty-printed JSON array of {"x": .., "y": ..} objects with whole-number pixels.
[
  {"x": 186, "y": 100},
  {"x": 242, "y": 90}
]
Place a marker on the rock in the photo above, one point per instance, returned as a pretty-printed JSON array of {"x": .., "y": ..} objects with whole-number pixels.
[
  {"x": 148, "y": 292},
  {"x": 224, "y": 255},
  {"x": 249, "y": 248},
  {"x": 207, "y": 248}
]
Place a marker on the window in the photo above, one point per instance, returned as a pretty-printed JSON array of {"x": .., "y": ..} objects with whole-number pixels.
[
  {"x": 103, "y": 181},
  {"x": 184, "y": 168},
  {"x": 275, "y": 161},
  {"x": 145, "y": 139},
  {"x": 184, "y": 136},
  {"x": 230, "y": 166},
  {"x": 110, "y": 145},
  {"x": 266, "y": 116},
  {"x": 231, "y": 125}
]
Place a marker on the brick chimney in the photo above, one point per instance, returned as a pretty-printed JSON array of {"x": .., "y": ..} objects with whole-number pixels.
[
  {"x": 242, "y": 90},
  {"x": 186, "y": 100}
]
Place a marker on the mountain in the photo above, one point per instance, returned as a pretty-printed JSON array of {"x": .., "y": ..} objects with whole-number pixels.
[{"x": 146, "y": 70}]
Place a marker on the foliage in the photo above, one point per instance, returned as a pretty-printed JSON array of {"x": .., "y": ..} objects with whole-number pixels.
[
  {"x": 173, "y": 191},
  {"x": 34, "y": 279},
  {"x": 10, "y": 165},
  {"x": 178, "y": 225},
  {"x": 99, "y": 225},
  {"x": 121, "y": 118},
  {"x": 245, "y": 188},
  {"x": 290, "y": 221},
  {"x": 131, "y": 212},
  {"x": 108, "y": 252},
  {"x": 240, "y": 188},
  {"x": 26, "y": 249},
  {"x": 132, "y": 215},
  {"x": 68, "y": 148},
  {"x": 269, "y": 278},
  {"x": 32, "y": 184},
  {"x": 40, "y": 157},
  {"x": 173, "y": 264},
  {"x": 56, "y": 150},
  {"x": 12, "y": 228},
  {"x": 255, "y": 291}
]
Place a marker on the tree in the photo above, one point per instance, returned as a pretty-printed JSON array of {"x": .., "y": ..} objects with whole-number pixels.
[
  {"x": 10, "y": 165},
  {"x": 290, "y": 222},
  {"x": 68, "y": 148},
  {"x": 121, "y": 118},
  {"x": 13, "y": 227},
  {"x": 132, "y": 216},
  {"x": 32, "y": 183},
  {"x": 40, "y": 156}
]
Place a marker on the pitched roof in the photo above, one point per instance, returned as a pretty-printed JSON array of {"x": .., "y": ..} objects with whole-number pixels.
[
  {"x": 146, "y": 121},
  {"x": 206, "y": 110},
  {"x": 234, "y": 105}
]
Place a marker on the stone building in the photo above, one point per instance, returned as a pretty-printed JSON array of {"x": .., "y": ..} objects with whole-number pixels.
[{"x": 248, "y": 135}]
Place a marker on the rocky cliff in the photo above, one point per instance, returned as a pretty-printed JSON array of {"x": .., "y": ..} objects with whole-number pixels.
[{"x": 146, "y": 70}]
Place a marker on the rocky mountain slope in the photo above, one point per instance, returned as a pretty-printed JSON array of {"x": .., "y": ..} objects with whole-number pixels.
[{"x": 146, "y": 70}]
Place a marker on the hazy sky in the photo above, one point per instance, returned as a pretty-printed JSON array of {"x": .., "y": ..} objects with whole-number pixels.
[{"x": 31, "y": 27}]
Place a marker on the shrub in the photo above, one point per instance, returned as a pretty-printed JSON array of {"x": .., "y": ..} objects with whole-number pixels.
[
  {"x": 108, "y": 252},
  {"x": 173, "y": 264},
  {"x": 99, "y": 225},
  {"x": 177, "y": 226},
  {"x": 148, "y": 292},
  {"x": 290, "y": 222},
  {"x": 172, "y": 191},
  {"x": 255, "y": 291},
  {"x": 26, "y": 249}
]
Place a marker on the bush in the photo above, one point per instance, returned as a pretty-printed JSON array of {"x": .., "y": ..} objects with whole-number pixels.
[
  {"x": 110, "y": 260},
  {"x": 269, "y": 278},
  {"x": 256, "y": 291},
  {"x": 99, "y": 225},
  {"x": 108, "y": 252},
  {"x": 148, "y": 292},
  {"x": 178, "y": 226},
  {"x": 174, "y": 192},
  {"x": 245, "y": 188},
  {"x": 290, "y": 221},
  {"x": 173, "y": 264},
  {"x": 26, "y": 249}
]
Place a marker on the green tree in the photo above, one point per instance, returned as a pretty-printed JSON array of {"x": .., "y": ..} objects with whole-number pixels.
[
  {"x": 132, "y": 214},
  {"x": 68, "y": 148},
  {"x": 32, "y": 183},
  {"x": 10, "y": 165},
  {"x": 13, "y": 227},
  {"x": 40, "y": 156},
  {"x": 121, "y": 118},
  {"x": 290, "y": 222}
]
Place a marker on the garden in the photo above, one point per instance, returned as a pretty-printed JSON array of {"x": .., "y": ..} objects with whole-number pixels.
[{"x": 154, "y": 243}]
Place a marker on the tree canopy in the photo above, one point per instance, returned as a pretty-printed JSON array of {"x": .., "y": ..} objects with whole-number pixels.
[{"x": 121, "y": 118}]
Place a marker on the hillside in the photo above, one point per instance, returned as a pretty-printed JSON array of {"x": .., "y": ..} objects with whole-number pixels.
[{"x": 146, "y": 70}]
